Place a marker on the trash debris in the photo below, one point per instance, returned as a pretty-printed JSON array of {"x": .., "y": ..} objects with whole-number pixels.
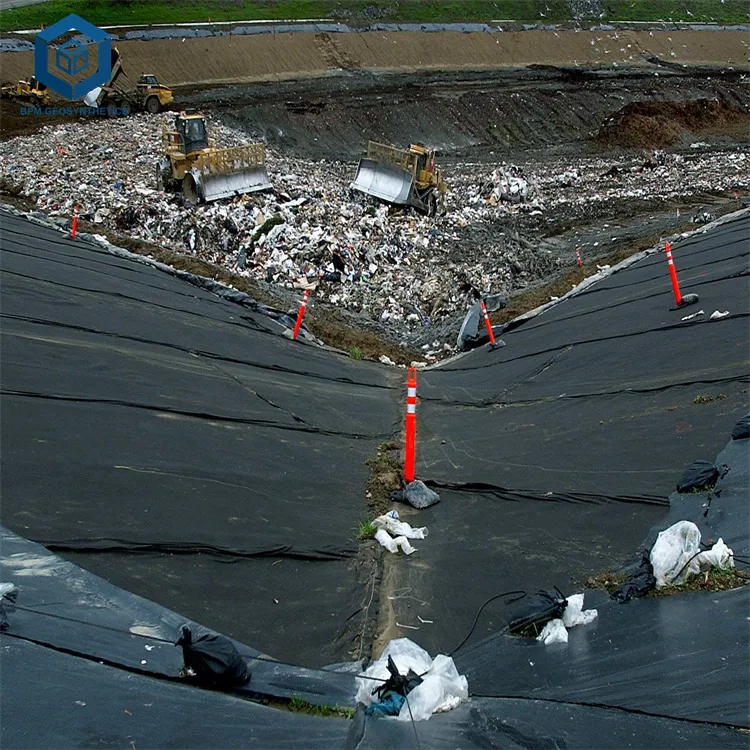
[
  {"x": 393, "y": 545},
  {"x": 698, "y": 475},
  {"x": 441, "y": 688},
  {"x": 703, "y": 218},
  {"x": 672, "y": 552},
  {"x": 8, "y": 599},
  {"x": 414, "y": 276},
  {"x": 694, "y": 315},
  {"x": 719, "y": 556},
  {"x": 639, "y": 583},
  {"x": 392, "y": 693},
  {"x": 535, "y": 611},
  {"x": 574, "y": 613},
  {"x": 392, "y": 524},
  {"x": 556, "y": 630},
  {"x": 553, "y": 632},
  {"x": 417, "y": 494},
  {"x": 716, "y": 315},
  {"x": 213, "y": 659}
]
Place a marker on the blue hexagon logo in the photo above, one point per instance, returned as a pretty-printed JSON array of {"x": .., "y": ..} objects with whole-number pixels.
[{"x": 71, "y": 60}]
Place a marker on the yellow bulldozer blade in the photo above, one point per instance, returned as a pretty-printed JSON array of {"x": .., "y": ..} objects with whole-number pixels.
[
  {"x": 200, "y": 187},
  {"x": 385, "y": 181}
]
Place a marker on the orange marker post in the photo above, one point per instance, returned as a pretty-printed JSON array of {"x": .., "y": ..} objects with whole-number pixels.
[
  {"x": 578, "y": 257},
  {"x": 673, "y": 275},
  {"x": 488, "y": 324},
  {"x": 411, "y": 423},
  {"x": 301, "y": 313},
  {"x": 75, "y": 223}
]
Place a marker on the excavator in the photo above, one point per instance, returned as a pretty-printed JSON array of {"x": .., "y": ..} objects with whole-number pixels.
[
  {"x": 406, "y": 177},
  {"x": 149, "y": 95},
  {"x": 205, "y": 173},
  {"x": 27, "y": 92}
]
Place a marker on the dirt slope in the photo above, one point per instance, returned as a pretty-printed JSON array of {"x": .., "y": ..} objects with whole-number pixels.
[{"x": 279, "y": 56}]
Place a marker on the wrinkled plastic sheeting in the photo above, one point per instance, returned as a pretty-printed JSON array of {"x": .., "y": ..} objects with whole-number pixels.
[
  {"x": 442, "y": 687},
  {"x": 675, "y": 547},
  {"x": 8, "y": 598},
  {"x": 741, "y": 430},
  {"x": 719, "y": 556},
  {"x": 639, "y": 583}
]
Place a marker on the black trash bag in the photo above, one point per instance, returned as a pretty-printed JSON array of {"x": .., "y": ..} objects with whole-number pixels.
[
  {"x": 8, "y": 598},
  {"x": 698, "y": 475},
  {"x": 397, "y": 683},
  {"x": 741, "y": 430},
  {"x": 417, "y": 494},
  {"x": 214, "y": 659},
  {"x": 639, "y": 584},
  {"x": 536, "y": 611}
]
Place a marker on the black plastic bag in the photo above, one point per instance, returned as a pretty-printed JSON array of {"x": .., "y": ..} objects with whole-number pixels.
[
  {"x": 536, "y": 611},
  {"x": 214, "y": 659},
  {"x": 639, "y": 584},
  {"x": 698, "y": 475},
  {"x": 741, "y": 430},
  {"x": 397, "y": 683}
]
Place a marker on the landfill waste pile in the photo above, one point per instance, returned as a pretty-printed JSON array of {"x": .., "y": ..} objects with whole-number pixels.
[{"x": 412, "y": 276}]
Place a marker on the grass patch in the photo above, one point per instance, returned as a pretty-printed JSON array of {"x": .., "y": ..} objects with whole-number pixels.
[
  {"x": 355, "y": 352},
  {"x": 366, "y": 530},
  {"x": 715, "y": 579},
  {"x": 145, "y": 12},
  {"x": 300, "y": 705},
  {"x": 606, "y": 580},
  {"x": 704, "y": 399},
  {"x": 386, "y": 470}
]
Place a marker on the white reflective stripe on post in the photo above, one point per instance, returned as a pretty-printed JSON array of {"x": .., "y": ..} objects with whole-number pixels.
[
  {"x": 411, "y": 408},
  {"x": 411, "y": 392}
]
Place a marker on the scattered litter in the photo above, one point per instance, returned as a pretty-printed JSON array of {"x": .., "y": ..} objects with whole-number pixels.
[
  {"x": 672, "y": 552},
  {"x": 393, "y": 545},
  {"x": 719, "y": 556},
  {"x": 639, "y": 583},
  {"x": 417, "y": 494},
  {"x": 213, "y": 659},
  {"x": 441, "y": 688},
  {"x": 408, "y": 627},
  {"x": 698, "y": 475},
  {"x": 716, "y": 315},
  {"x": 391, "y": 523},
  {"x": 425, "y": 622},
  {"x": 535, "y": 611},
  {"x": 556, "y": 630},
  {"x": 694, "y": 315},
  {"x": 553, "y": 632}
]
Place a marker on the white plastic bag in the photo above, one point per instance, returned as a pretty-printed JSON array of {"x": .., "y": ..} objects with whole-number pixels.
[
  {"x": 672, "y": 553},
  {"x": 553, "y": 632},
  {"x": 391, "y": 523},
  {"x": 719, "y": 556},
  {"x": 442, "y": 686},
  {"x": 574, "y": 614},
  {"x": 393, "y": 545}
]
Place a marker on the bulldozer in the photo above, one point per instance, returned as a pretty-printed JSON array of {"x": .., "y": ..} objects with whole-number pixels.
[
  {"x": 27, "y": 92},
  {"x": 206, "y": 173},
  {"x": 406, "y": 177},
  {"x": 149, "y": 95}
]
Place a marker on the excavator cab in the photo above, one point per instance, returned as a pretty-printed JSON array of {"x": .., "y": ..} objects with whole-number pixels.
[{"x": 192, "y": 133}]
